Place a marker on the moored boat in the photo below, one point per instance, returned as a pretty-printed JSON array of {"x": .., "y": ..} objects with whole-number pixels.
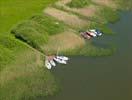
[
  {"x": 60, "y": 60},
  {"x": 47, "y": 64},
  {"x": 96, "y": 31},
  {"x": 52, "y": 63},
  {"x": 62, "y": 57}
]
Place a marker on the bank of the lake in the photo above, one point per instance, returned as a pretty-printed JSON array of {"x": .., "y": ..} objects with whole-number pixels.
[
  {"x": 22, "y": 71},
  {"x": 100, "y": 78}
]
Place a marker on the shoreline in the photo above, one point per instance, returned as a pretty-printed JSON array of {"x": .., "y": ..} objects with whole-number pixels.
[{"x": 50, "y": 30}]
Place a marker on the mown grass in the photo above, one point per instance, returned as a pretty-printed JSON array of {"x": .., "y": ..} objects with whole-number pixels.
[
  {"x": 79, "y": 3},
  {"x": 11, "y": 12}
]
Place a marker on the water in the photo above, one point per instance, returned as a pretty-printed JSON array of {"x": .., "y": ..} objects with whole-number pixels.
[{"x": 100, "y": 78}]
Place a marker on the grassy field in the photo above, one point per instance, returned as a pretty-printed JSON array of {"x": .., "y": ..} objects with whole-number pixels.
[
  {"x": 22, "y": 71},
  {"x": 12, "y": 11}
]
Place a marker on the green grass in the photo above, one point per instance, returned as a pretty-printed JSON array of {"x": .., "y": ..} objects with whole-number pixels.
[
  {"x": 12, "y": 11},
  {"x": 22, "y": 72},
  {"x": 125, "y": 5},
  {"x": 31, "y": 33},
  {"x": 9, "y": 48},
  {"x": 37, "y": 30},
  {"x": 90, "y": 50},
  {"x": 49, "y": 24},
  {"x": 22, "y": 76},
  {"x": 79, "y": 3},
  {"x": 108, "y": 15},
  {"x": 25, "y": 80}
]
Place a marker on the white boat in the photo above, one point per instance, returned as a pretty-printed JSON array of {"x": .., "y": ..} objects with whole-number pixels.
[
  {"x": 97, "y": 32},
  {"x": 63, "y": 57},
  {"x": 92, "y": 33},
  {"x": 47, "y": 64},
  {"x": 52, "y": 63},
  {"x": 60, "y": 60}
]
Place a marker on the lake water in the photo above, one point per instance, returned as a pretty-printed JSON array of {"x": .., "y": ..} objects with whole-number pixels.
[{"x": 100, "y": 78}]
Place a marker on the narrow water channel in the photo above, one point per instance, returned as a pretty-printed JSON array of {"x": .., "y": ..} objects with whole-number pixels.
[{"x": 100, "y": 78}]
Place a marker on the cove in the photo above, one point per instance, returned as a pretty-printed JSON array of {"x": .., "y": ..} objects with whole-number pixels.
[{"x": 100, "y": 78}]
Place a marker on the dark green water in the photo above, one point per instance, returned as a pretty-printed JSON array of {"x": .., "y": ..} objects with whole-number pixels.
[{"x": 101, "y": 78}]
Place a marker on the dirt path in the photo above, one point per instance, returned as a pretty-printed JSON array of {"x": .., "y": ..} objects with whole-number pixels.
[{"x": 70, "y": 19}]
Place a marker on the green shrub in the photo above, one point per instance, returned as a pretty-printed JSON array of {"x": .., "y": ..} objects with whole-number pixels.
[
  {"x": 32, "y": 33},
  {"x": 6, "y": 56},
  {"x": 109, "y": 15},
  {"x": 50, "y": 25},
  {"x": 124, "y": 5},
  {"x": 102, "y": 27},
  {"x": 79, "y": 3}
]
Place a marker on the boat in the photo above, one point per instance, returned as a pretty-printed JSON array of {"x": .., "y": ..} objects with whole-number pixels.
[
  {"x": 85, "y": 36},
  {"x": 60, "y": 60},
  {"x": 47, "y": 64},
  {"x": 63, "y": 57},
  {"x": 93, "y": 34},
  {"x": 96, "y": 31},
  {"x": 89, "y": 34},
  {"x": 52, "y": 63}
]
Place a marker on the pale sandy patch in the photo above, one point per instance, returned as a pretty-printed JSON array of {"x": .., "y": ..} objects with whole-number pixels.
[
  {"x": 66, "y": 17},
  {"x": 109, "y": 3},
  {"x": 64, "y": 41},
  {"x": 87, "y": 11},
  {"x": 63, "y": 2}
]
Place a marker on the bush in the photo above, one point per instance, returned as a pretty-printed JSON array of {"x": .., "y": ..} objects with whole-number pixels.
[
  {"x": 109, "y": 15},
  {"x": 50, "y": 25},
  {"x": 32, "y": 33},
  {"x": 79, "y": 3}
]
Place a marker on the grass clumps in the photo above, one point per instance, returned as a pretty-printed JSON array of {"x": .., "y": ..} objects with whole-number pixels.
[
  {"x": 9, "y": 47},
  {"x": 50, "y": 25},
  {"x": 102, "y": 27},
  {"x": 125, "y": 5},
  {"x": 23, "y": 83},
  {"x": 31, "y": 32},
  {"x": 22, "y": 73},
  {"x": 37, "y": 30},
  {"x": 79, "y": 3},
  {"x": 6, "y": 56},
  {"x": 109, "y": 15},
  {"x": 90, "y": 50}
]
